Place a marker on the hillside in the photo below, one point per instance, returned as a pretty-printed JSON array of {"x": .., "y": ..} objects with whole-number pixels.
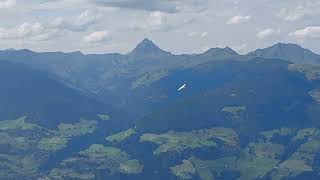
[
  {"x": 215, "y": 115},
  {"x": 289, "y": 52},
  {"x": 48, "y": 102},
  {"x": 269, "y": 94}
]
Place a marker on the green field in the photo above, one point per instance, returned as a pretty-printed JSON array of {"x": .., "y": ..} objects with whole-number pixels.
[
  {"x": 53, "y": 144},
  {"x": 315, "y": 94},
  {"x": 310, "y": 71},
  {"x": 300, "y": 161},
  {"x": 19, "y": 123},
  {"x": 277, "y": 132},
  {"x": 184, "y": 171},
  {"x": 104, "y": 117},
  {"x": 121, "y": 136},
  {"x": 149, "y": 78},
  {"x": 29, "y": 145},
  {"x": 78, "y": 129},
  {"x": 96, "y": 158},
  {"x": 179, "y": 141},
  {"x": 235, "y": 111}
]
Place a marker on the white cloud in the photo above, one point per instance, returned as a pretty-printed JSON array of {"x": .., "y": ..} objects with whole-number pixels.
[
  {"x": 191, "y": 34},
  {"x": 238, "y": 19},
  {"x": 59, "y": 4},
  {"x": 169, "y": 6},
  {"x": 157, "y": 19},
  {"x": 241, "y": 47},
  {"x": 308, "y": 32},
  {"x": 266, "y": 33},
  {"x": 198, "y": 35},
  {"x": 33, "y": 31},
  {"x": 204, "y": 34},
  {"x": 161, "y": 22},
  {"x": 307, "y": 10},
  {"x": 7, "y": 3},
  {"x": 79, "y": 23},
  {"x": 97, "y": 36},
  {"x": 292, "y": 15},
  {"x": 86, "y": 18}
]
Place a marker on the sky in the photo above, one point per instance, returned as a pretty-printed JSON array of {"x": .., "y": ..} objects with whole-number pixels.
[{"x": 178, "y": 26}]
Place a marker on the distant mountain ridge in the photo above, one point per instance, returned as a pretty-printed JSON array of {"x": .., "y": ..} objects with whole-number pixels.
[
  {"x": 115, "y": 78},
  {"x": 242, "y": 117},
  {"x": 290, "y": 52},
  {"x": 148, "y": 49},
  {"x": 219, "y": 52}
]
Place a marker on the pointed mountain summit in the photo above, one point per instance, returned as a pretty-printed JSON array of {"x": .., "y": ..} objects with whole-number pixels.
[
  {"x": 147, "y": 48},
  {"x": 10, "y": 49},
  {"x": 290, "y": 52},
  {"x": 219, "y": 52}
]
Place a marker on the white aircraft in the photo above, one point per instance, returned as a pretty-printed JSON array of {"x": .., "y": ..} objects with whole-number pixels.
[{"x": 182, "y": 87}]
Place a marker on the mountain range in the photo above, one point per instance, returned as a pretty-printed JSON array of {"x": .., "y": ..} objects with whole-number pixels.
[
  {"x": 116, "y": 77},
  {"x": 123, "y": 116}
]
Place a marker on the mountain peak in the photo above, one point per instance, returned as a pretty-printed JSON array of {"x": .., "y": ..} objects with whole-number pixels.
[
  {"x": 278, "y": 47},
  {"x": 147, "y": 47},
  {"x": 227, "y": 48},
  {"x": 10, "y": 49},
  {"x": 288, "y": 51},
  {"x": 147, "y": 41},
  {"x": 286, "y": 45},
  {"x": 227, "y": 51}
]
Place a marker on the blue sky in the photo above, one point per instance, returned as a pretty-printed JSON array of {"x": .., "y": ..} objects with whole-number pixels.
[{"x": 179, "y": 26}]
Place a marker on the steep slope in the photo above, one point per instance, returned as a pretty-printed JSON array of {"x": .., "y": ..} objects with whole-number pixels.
[
  {"x": 231, "y": 119},
  {"x": 147, "y": 48},
  {"x": 128, "y": 81},
  {"x": 248, "y": 96},
  {"x": 27, "y": 92},
  {"x": 289, "y": 52},
  {"x": 118, "y": 80},
  {"x": 246, "y": 120}
]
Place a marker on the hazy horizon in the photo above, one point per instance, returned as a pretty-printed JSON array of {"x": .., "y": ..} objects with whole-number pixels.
[
  {"x": 125, "y": 53},
  {"x": 160, "y": 89},
  {"x": 189, "y": 26}
]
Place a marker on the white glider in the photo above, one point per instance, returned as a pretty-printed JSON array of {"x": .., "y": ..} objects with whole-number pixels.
[{"x": 182, "y": 87}]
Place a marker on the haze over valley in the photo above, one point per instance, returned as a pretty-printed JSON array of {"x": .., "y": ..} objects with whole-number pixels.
[{"x": 213, "y": 90}]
